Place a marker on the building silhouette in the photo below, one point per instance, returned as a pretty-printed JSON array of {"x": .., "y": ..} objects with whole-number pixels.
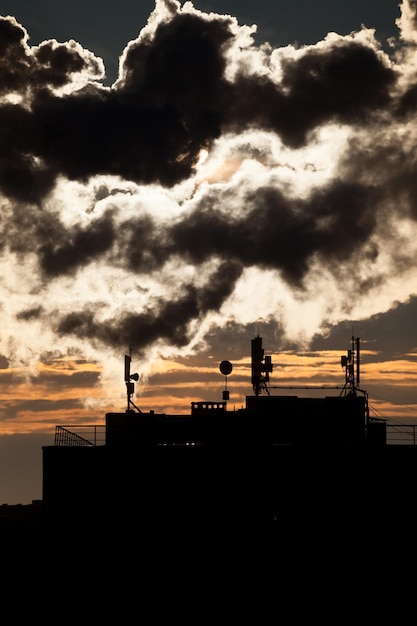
[{"x": 278, "y": 463}]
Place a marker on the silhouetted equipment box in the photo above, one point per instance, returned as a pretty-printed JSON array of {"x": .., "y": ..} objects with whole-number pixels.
[
  {"x": 335, "y": 420},
  {"x": 132, "y": 429},
  {"x": 376, "y": 432},
  {"x": 267, "y": 420}
]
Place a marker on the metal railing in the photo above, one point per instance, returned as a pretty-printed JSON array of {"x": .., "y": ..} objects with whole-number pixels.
[
  {"x": 95, "y": 435},
  {"x": 402, "y": 434},
  {"x": 80, "y": 435}
]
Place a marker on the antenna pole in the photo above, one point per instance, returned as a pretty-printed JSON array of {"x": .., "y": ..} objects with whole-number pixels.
[
  {"x": 261, "y": 367},
  {"x": 358, "y": 361},
  {"x": 130, "y": 387},
  {"x": 351, "y": 363}
]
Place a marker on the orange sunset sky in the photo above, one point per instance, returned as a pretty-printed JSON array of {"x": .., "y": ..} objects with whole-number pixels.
[{"x": 226, "y": 171}]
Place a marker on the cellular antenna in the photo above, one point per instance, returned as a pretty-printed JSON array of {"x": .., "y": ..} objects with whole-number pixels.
[
  {"x": 130, "y": 387},
  {"x": 351, "y": 365},
  {"x": 261, "y": 367}
]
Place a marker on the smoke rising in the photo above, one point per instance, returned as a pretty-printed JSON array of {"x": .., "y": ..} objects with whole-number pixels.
[{"x": 215, "y": 180}]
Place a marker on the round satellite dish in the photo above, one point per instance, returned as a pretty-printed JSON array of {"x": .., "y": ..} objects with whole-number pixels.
[{"x": 226, "y": 367}]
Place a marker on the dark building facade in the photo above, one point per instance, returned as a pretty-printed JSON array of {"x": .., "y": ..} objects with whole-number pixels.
[{"x": 260, "y": 466}]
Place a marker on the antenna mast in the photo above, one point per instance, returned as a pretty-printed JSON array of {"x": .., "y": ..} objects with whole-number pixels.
[
  {"x": 261, "y": 367},
  {"x": 351, "y": 364},
  {"x": 130, "y": 387}
]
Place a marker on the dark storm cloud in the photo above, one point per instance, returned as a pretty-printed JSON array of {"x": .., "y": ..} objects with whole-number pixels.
[
  {"x": 172, "y": 100},
  {"x": 185, "y": 83},
  {"x": 60, "y": 250},
  {"x": 65, "y": 254},
  {"x": 22, "y": 176},
  {"x": 49, "y": 65},
  {"x": 166, "y": 321},
  {"x": 346, "y": 82},
  {"x": 149, "y": 129},
  {"x": 282, "y": 234},
  {"x": 274, "y": 235}
]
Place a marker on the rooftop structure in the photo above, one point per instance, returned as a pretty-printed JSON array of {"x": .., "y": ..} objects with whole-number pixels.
[{"x": 243, "y": 466}]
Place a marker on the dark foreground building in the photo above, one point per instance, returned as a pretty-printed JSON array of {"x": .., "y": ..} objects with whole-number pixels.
[{"x": 282, "y": 464}]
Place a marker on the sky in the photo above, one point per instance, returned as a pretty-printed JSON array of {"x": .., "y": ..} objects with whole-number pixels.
[{"x": 176, "y": 178}]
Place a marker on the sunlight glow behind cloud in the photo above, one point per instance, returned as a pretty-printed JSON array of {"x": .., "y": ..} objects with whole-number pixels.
[{"x": 216, "y": 180}]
